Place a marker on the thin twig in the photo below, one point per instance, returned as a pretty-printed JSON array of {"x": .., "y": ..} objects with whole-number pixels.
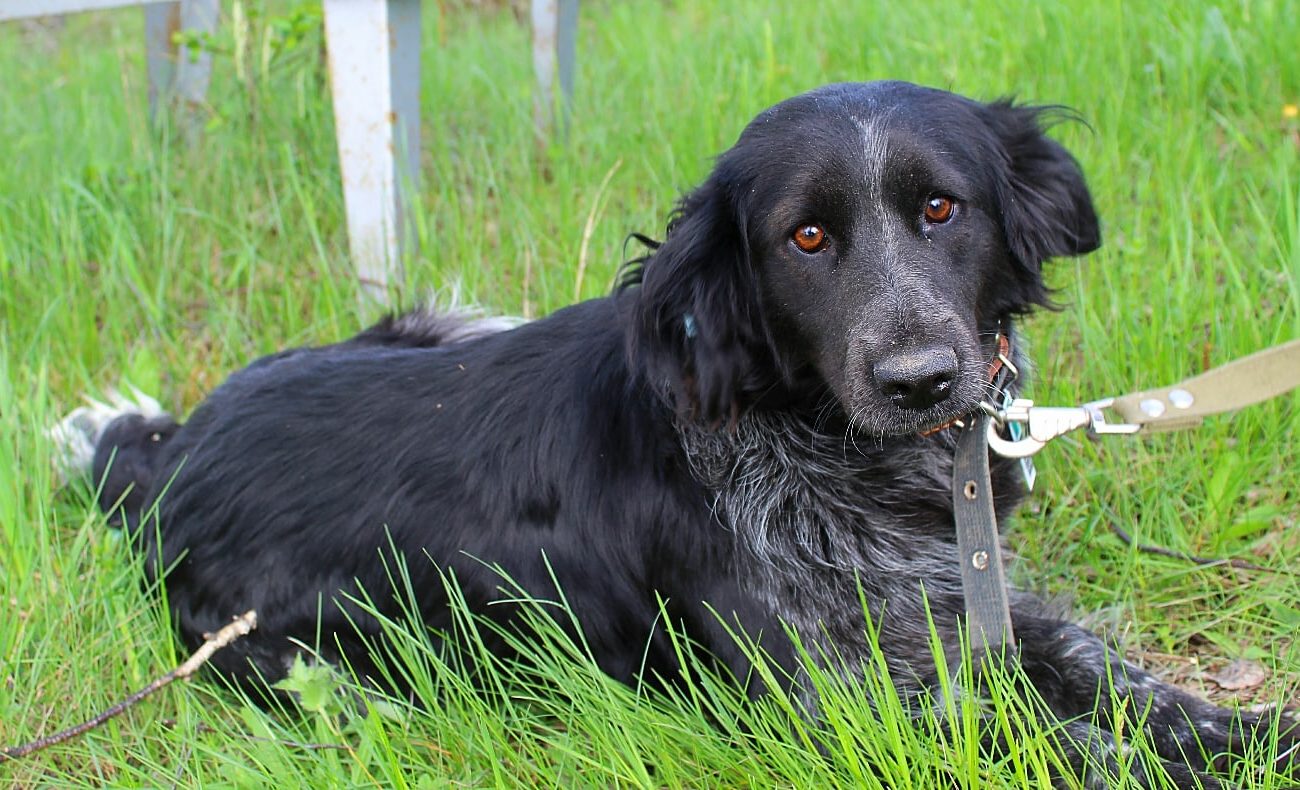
[
  {"x": 1192, "y": 558},
  {"x": 240, "y": 627},
  {"x": 202, "y": 728},
  {"x": 181, "y": 765}
]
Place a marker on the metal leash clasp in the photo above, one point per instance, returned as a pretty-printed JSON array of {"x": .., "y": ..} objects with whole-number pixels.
[{"x": 1032, "y": 427}]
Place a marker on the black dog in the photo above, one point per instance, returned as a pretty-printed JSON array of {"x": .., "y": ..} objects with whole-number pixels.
[{"x": 744, "y": 430}]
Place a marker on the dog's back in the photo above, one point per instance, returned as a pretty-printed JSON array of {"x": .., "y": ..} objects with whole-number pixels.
[{"x": 121, "y": 441}]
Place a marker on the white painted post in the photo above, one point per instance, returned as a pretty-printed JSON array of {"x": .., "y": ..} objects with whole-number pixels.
[
  {"x": 178, "y": 76},
  {"x": 161, "y": 21},
  {"x": 555, "y": 24},
  {"x": 374, "y": 63},
  {"x": 194, "y": 69}
]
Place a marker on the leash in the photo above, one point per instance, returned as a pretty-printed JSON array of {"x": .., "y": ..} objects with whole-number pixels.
[
  {"x": 983, "y": 582},
  {"x": 1243, "y": 382}
]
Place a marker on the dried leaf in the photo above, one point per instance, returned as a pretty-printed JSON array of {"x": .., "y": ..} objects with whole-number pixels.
[{"x": 1240, "y": 675}]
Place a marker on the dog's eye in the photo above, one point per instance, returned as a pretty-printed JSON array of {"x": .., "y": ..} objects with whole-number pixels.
[
  {"x": 810, "y": 238},
  {"x": 939, "y": 209}
]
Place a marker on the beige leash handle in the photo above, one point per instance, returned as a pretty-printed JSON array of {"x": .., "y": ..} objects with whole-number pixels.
[{"x": 1242, "y": 382}]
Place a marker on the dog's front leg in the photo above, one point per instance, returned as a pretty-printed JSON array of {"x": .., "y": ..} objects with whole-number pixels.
[{"x": 1080, "y": 677}]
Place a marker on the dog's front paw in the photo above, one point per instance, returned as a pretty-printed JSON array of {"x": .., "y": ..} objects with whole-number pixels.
[
  {"x": 1272, "y": 738},
  {"x": 1238, "y": 743}
]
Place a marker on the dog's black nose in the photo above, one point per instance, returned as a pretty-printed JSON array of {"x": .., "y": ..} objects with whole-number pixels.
[{"x": 918, "y": 378}]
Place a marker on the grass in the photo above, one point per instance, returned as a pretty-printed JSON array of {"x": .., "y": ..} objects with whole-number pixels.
[{"x": 126, "y": 254}]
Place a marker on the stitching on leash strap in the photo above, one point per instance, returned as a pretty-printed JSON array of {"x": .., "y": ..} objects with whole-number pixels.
[
  {"x": 983, "y": 582},
  {"x": 1242, "y": 382}
]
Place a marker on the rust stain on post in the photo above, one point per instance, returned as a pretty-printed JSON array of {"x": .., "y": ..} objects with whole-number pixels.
[{"x": 173, "y": 24}]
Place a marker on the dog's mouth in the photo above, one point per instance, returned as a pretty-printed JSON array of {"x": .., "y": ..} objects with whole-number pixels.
[{"x": 886, "y": 420}]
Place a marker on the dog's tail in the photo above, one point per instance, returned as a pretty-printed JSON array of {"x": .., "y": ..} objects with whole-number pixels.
[
  {"x": 430, "y": 327},
  {"x": 119, "y": 443}
]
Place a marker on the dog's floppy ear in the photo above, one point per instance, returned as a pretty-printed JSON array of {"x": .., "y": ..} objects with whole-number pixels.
[
  {"x": 695, "y": 320},
  {"x": 1047, "y": 209}
]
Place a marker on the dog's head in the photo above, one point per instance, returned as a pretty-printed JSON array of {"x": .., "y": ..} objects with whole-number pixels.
[{"x": 862, "y": 240}]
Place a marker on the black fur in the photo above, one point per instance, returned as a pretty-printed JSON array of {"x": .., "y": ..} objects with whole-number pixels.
[
  {"x": 126, "y": 462},
  {"x": 730, "y": 432}
]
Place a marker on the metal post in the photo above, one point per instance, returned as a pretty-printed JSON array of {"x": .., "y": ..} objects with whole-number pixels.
[
  {"x": 161, "y": 21},
  {"x": 194, "y": 67},
  {"x": 555, "y": 25},
  {"x": 374, "y": 63},
  {"x": 178, "y": 76}
]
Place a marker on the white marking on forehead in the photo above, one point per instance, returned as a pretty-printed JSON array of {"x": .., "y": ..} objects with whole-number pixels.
[{"x": 875, "y": 147}]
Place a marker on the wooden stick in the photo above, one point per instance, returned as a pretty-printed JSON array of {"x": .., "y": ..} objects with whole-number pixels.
[
  {"x": 240, "y": 627},
  {"x": 244, "y": 736},
  {"x": 1192, "y": 558}
]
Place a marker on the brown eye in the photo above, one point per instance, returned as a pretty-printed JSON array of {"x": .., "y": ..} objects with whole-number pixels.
[
  {"x": 810, "y": 238},
  {"x": 939, "y": 209}
]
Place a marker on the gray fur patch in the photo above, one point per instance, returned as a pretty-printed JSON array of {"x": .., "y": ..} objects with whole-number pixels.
[
  {"x": 824, "y": 530},
  {"x": 875, "y": 151}
]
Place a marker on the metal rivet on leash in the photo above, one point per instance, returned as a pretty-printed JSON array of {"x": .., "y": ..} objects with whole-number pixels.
[
  {"x": 1182, "y": 399},
  {"x": 969, "y": 490},
  {"x": 980, "y": 560},
  {"x": 1152, "y": 407}
]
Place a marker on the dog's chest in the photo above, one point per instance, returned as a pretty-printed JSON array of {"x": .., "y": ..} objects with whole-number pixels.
[{"x": 823, "y": 530}]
